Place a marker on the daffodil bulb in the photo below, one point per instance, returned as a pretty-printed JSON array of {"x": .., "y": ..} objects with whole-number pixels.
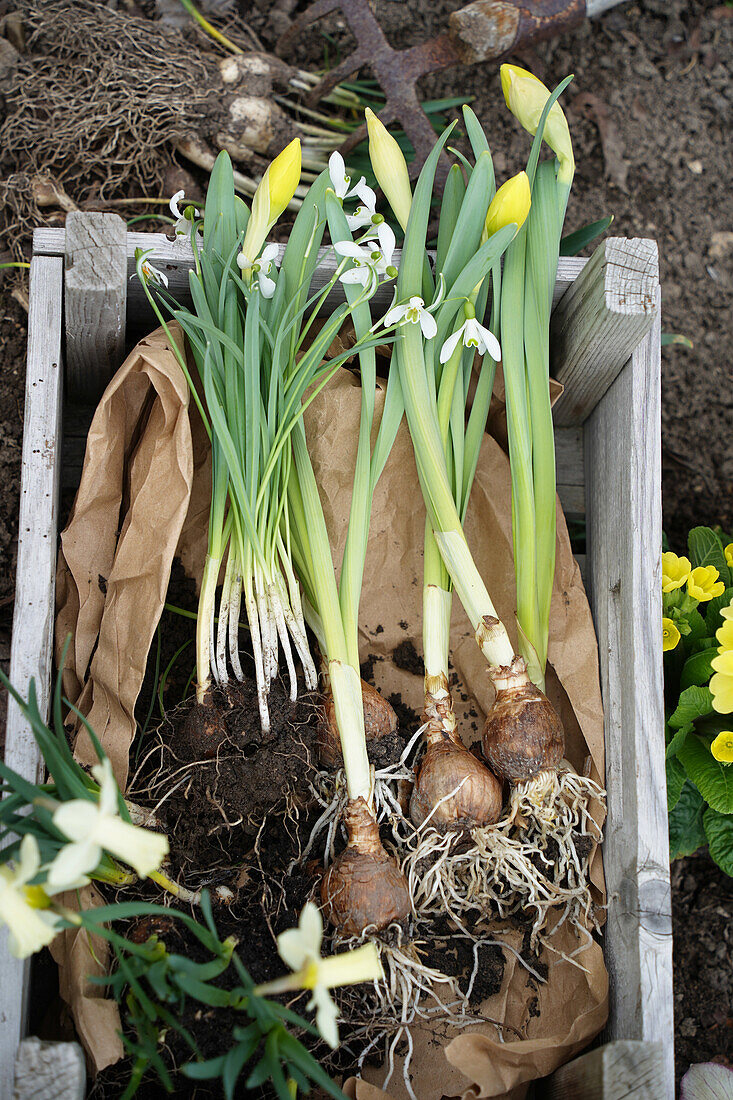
[
  {"x": 94, "y": 827},
  {"x": 390, "y": 168},
  {"x": 273, "y": 194},
  {"x": 29, "y": 925},
  {"x": 526, "y": 97},
  {"x": 300, "y": 949},
  {"x": 511, "y": 203}
]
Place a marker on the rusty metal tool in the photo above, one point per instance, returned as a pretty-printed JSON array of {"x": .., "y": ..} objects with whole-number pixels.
[{"x": 482, "y": 31}]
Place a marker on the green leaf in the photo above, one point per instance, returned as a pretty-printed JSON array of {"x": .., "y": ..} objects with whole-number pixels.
[
  {"x": 676, "y": 779},
  {"x": 697, "y": 630},
  {"x": 575, "y": 242},
  {"x": 698, "y": 668},
  {"x": 713, "y": 779},
  {"x": 686, "y": 833},
  {"x": 719, "y": 831},
  {"x": 678, "y": 739},
  {"x": 676, "y": 338},
  {"x": 706, "y": 548},
  {"x": 713, "y": 618},
  {"x": 204, "y": 1071},
  {"x": 694, "y": 702}
]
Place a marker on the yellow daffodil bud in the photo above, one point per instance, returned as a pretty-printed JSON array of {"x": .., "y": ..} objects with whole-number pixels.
[
  {"x": 390, "y": 168},
  {"x": 729, "y": 554},
  {"x": 721, "y": 684},
  {"x": 670, "y": 634},
  {"x": 722, "y": 747},
  {"x": 703, "y": 583},
  {"x": 675, "y": 571},
  {"x": 274, "y": 192},
  {"x": 725, "y": 636},
  {"x": 526, "y": 97},
  {"x": 511, "y": 203}
]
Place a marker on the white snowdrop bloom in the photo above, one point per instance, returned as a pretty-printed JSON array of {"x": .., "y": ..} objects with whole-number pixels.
[
  {"x": 341, "y": 182},
  {"x": 184, "y": 217},
  {"x": 473, "y": 335},
  {"x": 415, "y": 313}
]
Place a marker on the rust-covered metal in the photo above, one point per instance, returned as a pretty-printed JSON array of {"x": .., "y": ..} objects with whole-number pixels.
[{"x": 489, "y": 29}]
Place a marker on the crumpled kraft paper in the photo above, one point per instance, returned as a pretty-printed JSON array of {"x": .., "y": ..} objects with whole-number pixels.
[{"x": 573, "y": 1004}]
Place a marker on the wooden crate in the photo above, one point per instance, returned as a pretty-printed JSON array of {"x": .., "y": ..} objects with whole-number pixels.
[{"x": 606, "y": 350}]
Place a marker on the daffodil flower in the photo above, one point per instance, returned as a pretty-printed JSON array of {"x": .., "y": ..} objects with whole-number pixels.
[
  {"x": 370, "y": 261},
  {"x": 21, "y": 906},
  {"x": 703, "y": 583},
  {"x": 721, "y": 684},
  {"x": 184, "y": 217},
  {"x": 670, "y": 634},
  {"x": 675, "y": 571},
  {"x": 722, "y": 747},
  {"x": 262, "y": 267},
  {"x": 300, "y": 949},
  {"x": 473, "y": 335},
  {"x": 95, "y": 826},
  {"x": 413, "y": 313}
]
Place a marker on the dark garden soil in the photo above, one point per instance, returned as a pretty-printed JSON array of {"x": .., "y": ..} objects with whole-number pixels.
[{"x": 650, "y": 112}]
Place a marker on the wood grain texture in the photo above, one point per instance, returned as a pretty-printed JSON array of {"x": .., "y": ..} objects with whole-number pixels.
[
  {"x": 175, "y": 259},
  {"x": 31, "y": 650},
  {"x": 95, "y": 300},
  {"x": 599, "y": 321},
  {"x": 49, "y": 1071},
  {"x": 623, "y": 1070},
  {"x": 624, "y": 516}
]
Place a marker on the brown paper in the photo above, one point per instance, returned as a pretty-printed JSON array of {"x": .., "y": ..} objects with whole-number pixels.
[{"x": 573, "y": 1003}]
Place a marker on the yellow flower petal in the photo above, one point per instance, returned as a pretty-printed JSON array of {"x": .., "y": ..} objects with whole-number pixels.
[
  {"x": 728, "y": 551},
  {"x": 675, "y": 571},
  {"x": 724, "y": 634},
  {"x": 703, "y": 583},
  {"x": 727, "y": 612},
  {"x": 721, "y": 685},
  {"x": 670, "y": 634},
  {"x": 390, "y": 167},
  {"x": 722, "y": 747},
  {"x": 511, "y": 203},
  {"x": 723, "y": 663}
]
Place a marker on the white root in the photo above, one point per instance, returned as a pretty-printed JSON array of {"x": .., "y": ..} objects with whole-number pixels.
[
  {"x": 254, "y": 629},
  {"x": 282, "y": 633},
  {"x": 234, "y": 609},
  {"x": 223, "y": 624}
]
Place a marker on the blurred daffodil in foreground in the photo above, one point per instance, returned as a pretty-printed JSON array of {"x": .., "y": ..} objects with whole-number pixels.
[
  {"x": 721, "y": 684},
  {"x": 22, "y": 906},
  {"x": 300, "y": 949}
]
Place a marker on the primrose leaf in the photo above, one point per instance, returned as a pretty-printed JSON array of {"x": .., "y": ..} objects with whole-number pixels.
[
  {"x": 719, "y": 831},
  {"x": 713, "y": 618},
  {"x": 713, "y": 779},
  {"x": 698, "y": 668},
  {"x": 707, "y": 1081},
  {"x": 697, "y": 629},
  {"x": 706, "y": 548},
  {"x": 677, "y": 740},
  {"x": 694, "y": 702},
  {"x": 686, "y": 833},
  {"x": 676, "y": 779}
]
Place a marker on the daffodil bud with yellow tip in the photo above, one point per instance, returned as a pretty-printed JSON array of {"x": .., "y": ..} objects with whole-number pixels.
[
  {"x": 390, "y": 168},
  {"x": 511, "y": 203},
  {"x": 271, "y": 199},
  {"x": 526, "y": 97}
]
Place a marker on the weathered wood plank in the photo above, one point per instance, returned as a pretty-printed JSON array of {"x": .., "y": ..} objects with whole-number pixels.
[
  {"x": 175, "y": 259},
  {"x": 49, "y": 1071},
  {"x": 624, "y": 515},
  {"x": 599, "y": 321},
  {"x": 31, "y": 651},
  {"x": 624, "y": 1070},
  {"x": 95, "y": 300}
]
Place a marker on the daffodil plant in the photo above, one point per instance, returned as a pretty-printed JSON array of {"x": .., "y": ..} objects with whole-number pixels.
[{"x": 697, "y": 639}]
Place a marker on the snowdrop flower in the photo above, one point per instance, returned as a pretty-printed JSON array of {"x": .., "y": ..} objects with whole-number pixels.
[
  {"x": 473, "y": 335},
  {"x": 145, "y": 271},
  {"x": 370, "y": 261},
  {"x": 415, "y": 313},
  {"x": 300, "y": 949},
  {"x": 94, "y": 826},
  {"x": 184, "y": 217},
  {"x": 341, "y": 182},
  {"x": 262, "y": 268},
  {"x": 21, "y": 906},
  {"x": 366, "y": 213}
]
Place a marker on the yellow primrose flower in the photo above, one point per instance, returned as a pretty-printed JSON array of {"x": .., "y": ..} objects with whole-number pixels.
[
  {"x": 300, "y": 949},
  {"x": 675, "y": 571},
  {"x": 274, "y": 192},
  {"x": 722, "y": 747},
  {"x": 703, "y": 583},
  {"x": 511, "y": 203},
  {"x": 390, "y": 168},
  {"x": 721, "y": 684},
  {"x": 526, "y": 97},
  {"x": 728, "y": 551},
  {"x": 670, "y": 635},
  {"x": 21, "y": 905},
  {"x": 724, "y": 634}
]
